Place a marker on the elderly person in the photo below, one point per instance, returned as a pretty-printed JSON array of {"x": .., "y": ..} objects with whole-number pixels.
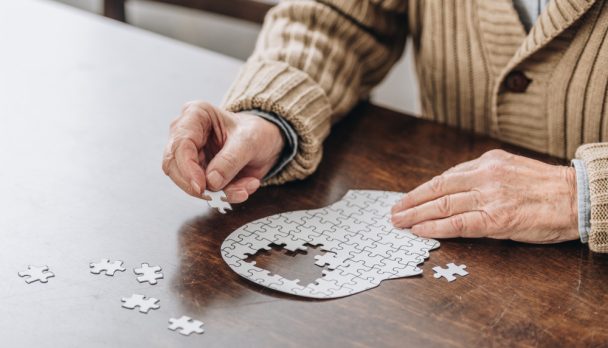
[{"x": 528, "y": 72}]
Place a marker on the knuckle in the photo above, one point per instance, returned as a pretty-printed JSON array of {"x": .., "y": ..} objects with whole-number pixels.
[
  {"x": 175, "y": 122},
  {"x": 437, "y": 184},
  {"x": 458, "y": 223},
  {"x": 444, "y": 205},
  {"x": 167, "y": 158},
  {"x": 485, "y": 221},
  {"x": 505, "y": 216},
  {"x": 195, "y": 104},
  {"x": 229, "y": 163},
  {"x": 165, "y": 167},
  {"x": 494, "y": 169},
  {"x": 495, "y": 154},
  {"x": 478, "y": 199},
  {"x": 412, "y": 214}
]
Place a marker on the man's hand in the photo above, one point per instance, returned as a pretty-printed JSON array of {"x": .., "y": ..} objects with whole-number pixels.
[
  {"x": 498, "y": 195},
  {"x": 216, "y": 149}
]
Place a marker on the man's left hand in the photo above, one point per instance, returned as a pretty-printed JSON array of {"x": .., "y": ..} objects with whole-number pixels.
[{"x": 499, "y": 195}]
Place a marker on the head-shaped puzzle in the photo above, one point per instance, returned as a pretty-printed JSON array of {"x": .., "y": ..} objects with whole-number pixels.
[{"x": 362, "y": 248}]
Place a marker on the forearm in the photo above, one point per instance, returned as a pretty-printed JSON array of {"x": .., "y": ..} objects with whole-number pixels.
[{"x": 312, "y": 63}]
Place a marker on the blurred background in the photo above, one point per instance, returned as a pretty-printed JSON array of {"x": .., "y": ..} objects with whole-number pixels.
[{"x": 230, "y": 27}]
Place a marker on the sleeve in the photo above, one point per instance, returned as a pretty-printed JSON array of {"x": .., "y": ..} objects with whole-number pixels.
[
  {"x": 313, "y": 61},
  {"x": 583, "y": 200},
  {"x": 595, "y": 158}
]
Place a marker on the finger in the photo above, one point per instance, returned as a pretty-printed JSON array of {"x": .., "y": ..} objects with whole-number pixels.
[
  {"x": 240, "y": 190},
  {"x": 174, "y": 173},
  {"x": 472, "y": 224},
  {"x": 228, "y": 163},
  {"x": 187, "y": 160},
  {"x": 437, "y": 209},
  {"x": 439, "y": 186},
  {"x": 199, "y": 120}
]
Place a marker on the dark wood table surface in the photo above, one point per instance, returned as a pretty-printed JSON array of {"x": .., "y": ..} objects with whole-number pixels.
[{"x": 84, "y": 110}]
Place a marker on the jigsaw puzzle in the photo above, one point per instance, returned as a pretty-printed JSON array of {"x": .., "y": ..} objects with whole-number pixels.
[
  {"x": 448, "y": 273},
  {"x": 186, "y": 325},
  {"x": 109, "y": 268},
  {"x": 362, "y": 246},
  {"x": 36, "y": 273},
  {"x": 144, "y": 303},
  {"x": 217, "y": 200},
  {"x": 147, "y": 273}
]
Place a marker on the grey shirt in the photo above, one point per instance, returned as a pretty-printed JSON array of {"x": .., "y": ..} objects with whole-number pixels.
[{"x": 529, "y": 10}]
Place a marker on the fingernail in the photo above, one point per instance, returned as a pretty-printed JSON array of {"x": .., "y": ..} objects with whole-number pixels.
[
  {"x": 399, "y": 205},
  {"x": 394, "y": 220},
  {"x": 239, "y": 196},
  {"x": 215, "y": 179},
  {"x": 195, "y": 187},
  {"x": 252, "y": 185}
]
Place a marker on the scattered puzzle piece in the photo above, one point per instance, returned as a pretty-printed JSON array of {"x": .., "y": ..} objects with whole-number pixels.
[
  {"x": 186, "y": 325},
  {"x": 217, "y": 200},
  {"x": 448, "y": 273},
  {"x": 144, "y": 303},
  {"x": 148, "y": 273},
  {"x": 362, "y": 248},
  {"x": 109, "y": 268},
  {"x": 36, "y": 273}
]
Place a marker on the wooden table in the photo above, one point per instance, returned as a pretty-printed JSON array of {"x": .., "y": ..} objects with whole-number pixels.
[{"x": 85, "y": 105}]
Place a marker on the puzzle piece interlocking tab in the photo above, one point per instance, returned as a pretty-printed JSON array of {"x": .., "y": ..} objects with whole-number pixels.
[{"x": 362, "y": 248}]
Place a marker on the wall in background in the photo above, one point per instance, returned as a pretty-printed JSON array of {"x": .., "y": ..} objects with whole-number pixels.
[{"x": 237, "y": 38}]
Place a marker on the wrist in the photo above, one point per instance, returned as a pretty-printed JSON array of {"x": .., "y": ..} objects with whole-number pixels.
[
  {"x": 573, "y": 226},
  {"x": 270, "y": 140}
]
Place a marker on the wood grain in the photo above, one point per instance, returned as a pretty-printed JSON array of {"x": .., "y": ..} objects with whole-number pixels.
[
  {"x": 85, "y": 109},
  {"x": 516, "y": 294}
]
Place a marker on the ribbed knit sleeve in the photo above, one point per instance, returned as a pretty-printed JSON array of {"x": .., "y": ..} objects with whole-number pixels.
[
  {"x": 595, "y": 157},
  {"x": 313, "y": 61}
]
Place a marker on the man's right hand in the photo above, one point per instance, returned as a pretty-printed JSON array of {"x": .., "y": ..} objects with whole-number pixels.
[{"x": 214, "y": 149}]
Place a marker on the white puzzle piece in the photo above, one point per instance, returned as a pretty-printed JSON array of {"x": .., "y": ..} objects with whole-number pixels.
[
  {"x": 144, "y": 303},
  {"x": 217, "y": 200},
  {"x": 448, "y": 273},
  {"x": 186, "y": 325},
  {"x": 106, "y": 266},
  {"x": 36, "y": 273},
  {"x": 147, "y": 273},
  {"x": 362, "y": 246}
]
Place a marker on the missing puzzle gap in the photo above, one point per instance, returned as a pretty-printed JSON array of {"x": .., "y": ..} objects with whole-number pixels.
[{"x": 299, "y": 264}]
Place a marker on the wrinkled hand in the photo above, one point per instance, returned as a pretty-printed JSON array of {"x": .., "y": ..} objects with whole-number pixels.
[
  {"x": 216, "y": 149},
  {"x": 498, "y": 195}
]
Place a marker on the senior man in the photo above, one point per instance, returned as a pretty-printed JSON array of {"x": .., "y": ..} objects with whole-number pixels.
[{"x": 529, "y": 72}]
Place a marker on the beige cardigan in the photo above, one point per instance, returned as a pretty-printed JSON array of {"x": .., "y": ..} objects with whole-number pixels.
[{"x": 546, "y": 90}]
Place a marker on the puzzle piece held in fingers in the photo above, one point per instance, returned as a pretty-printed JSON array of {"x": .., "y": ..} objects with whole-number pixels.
[{"x": 217, "y": 200}]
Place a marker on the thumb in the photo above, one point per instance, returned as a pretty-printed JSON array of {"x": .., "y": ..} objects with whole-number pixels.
[{"x": 233, "y": 156}]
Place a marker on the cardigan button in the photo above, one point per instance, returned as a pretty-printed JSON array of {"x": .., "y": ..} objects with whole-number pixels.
[{"x": 517, "y": 82}]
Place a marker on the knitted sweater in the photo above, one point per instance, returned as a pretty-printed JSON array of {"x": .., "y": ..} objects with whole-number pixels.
[{"x": 478, "y": 69}]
